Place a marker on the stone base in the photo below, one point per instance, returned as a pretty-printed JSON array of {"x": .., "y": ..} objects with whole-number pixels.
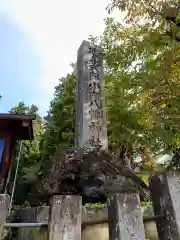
[{"x": 91, "y": 174}]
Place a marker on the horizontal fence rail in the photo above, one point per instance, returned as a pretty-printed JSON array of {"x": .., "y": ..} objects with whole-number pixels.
[
  {"x": 84, "y": 224},
  {"x": 66, "y": 217},
  {"x": 23, "y": 225}
]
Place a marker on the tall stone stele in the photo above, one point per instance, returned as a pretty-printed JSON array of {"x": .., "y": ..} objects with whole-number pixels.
[
  {"x": 94, "y": 176},
  {"x": 91, "y": 126}
]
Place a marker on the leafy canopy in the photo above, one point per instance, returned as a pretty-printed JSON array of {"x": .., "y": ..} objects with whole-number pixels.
[{"x": 142, "y": 55}]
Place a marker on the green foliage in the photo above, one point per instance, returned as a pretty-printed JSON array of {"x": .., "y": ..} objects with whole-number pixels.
[
  {"x": 60, "y": 121},
  {"x": 144, "y": 177},
  {"x": 30, "y": 155},
  {"x": 95, "y": 207},
  {"x": 124, "y": 127},
  {"x": 98, "y": 205},
  {"x": 142, "y": 56},
  {"x": 146, "y": 204},
  {"x": 148, "y": 10},
  {"x": 142, "y": 85}
]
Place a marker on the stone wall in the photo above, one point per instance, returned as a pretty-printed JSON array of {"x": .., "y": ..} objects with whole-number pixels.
[
  {"x": 89, "y": 232},
  {"x": 98, "y": 231}
]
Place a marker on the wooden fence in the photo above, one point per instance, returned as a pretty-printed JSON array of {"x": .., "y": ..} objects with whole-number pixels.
[{"x": 67, "y": 218}]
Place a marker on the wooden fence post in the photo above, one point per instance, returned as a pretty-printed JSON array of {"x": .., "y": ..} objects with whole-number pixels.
[
  {"x": 165, "y": 193},
  {"x": 65, "y": 218},
  {"x": 125, "y": 217},
  {"x": 4, "y": 205}
]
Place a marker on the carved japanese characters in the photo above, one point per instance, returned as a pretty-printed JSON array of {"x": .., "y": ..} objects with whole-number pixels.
[{"x": 91, "y": 129}]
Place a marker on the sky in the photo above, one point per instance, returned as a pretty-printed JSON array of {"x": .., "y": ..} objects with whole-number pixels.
[{"x": 39, "y": 39}]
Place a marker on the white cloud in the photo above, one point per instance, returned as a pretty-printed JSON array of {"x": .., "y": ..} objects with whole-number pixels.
[{"x": 57, "y": 28}]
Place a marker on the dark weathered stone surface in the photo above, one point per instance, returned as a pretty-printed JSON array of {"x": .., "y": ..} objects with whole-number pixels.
[
  {"x": 34, "y": 214},
  {"x": 34, "y": 233},
  {"x": 165, "y": 191},
  {"x": 89, "y": 214},
  {"x": 41, "y": 214},
  {"x": 65, "y": 218},
  {"x": 92, "y": 218},
  {"x": 89, "y": 169},
  {"x": 93, "y": 175},
  {"x": 4, "y": 205},
  {"x": 91, "y": 127},
  {"x": 125, "y": 217}
]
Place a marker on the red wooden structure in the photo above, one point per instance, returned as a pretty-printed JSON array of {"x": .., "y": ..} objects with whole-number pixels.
[{"x": 12, "y": 128}]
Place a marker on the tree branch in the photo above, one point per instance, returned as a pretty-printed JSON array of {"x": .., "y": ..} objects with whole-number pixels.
[
  {"x": 172, "y": 36},
  {"x": 172, "y": 19}
]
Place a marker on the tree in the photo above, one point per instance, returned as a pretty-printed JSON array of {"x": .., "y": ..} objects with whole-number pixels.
[
  {"x": 30, "y": 156},
  {"x": 60, "y": 120},
  {"x": 153, "y": 11},
  {"x": 142, "y": 56}
]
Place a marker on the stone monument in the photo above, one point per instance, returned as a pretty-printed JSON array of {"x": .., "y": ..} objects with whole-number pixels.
[
  {"x": 91, "y": 127},
  {"x": 88, "y": 169}
]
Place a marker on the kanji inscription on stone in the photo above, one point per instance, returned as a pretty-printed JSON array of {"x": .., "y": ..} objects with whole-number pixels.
[{"x": 91, "y": 126}]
